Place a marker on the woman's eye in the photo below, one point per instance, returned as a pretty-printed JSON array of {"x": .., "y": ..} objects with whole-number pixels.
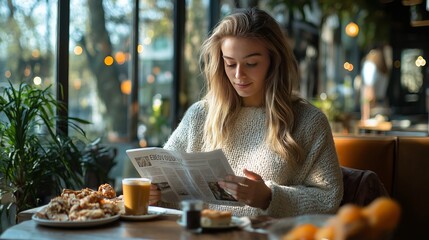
[{"x": 232, "y": 65}]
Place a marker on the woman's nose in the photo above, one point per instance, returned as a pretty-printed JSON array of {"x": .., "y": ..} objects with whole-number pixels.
[{"x": 239, "y": 73}]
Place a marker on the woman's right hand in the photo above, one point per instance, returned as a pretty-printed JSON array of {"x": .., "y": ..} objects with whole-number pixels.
[{"x": 155, "y": 195}]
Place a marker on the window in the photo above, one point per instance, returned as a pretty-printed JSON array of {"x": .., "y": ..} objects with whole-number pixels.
[
  {"x": 155, "y": 71},
  {"x": 27, "y": 42},
  {"x": 99, "y": 63}
]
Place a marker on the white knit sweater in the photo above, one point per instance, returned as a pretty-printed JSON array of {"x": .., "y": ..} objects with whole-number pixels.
[{"x": 314, "y": 187}]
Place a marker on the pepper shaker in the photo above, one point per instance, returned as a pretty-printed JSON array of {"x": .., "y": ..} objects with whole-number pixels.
[{"x": 191, "y": 216}]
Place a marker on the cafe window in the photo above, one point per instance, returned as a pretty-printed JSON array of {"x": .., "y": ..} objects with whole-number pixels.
[
  {"x": 99, "y": 62},
  {"x": 196, "y": 30},
  {"x": 155, "y": 68},
  {"x": 27, "y": 42}
]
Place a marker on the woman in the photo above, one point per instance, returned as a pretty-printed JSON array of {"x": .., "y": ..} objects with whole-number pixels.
[{"x": 280, "y": 147}]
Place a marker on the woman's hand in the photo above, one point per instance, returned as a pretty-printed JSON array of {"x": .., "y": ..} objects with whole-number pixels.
[
  {"x": 154, "y": 195},
  {"x": 250, "y": 190}
]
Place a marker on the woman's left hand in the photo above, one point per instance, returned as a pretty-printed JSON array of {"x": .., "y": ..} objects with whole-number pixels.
[
  {"x": 154, "y": 195},
  {"x": 250, "y": 190}
]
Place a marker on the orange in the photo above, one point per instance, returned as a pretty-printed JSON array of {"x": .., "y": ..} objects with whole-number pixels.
[
  {"x": 305, "y": 231},
  {"x": 350, "y": 213},
  {"x": 383, "y": 213},
  {"x": 325, "y": 233},
  {"x": 350, "y": 222}
]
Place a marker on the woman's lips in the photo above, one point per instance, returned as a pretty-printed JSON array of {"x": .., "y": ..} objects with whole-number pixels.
[{"x": 242, "y": 85}]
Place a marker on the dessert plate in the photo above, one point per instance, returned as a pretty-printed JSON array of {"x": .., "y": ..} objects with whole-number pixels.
[{"x": 153, "y": 212}]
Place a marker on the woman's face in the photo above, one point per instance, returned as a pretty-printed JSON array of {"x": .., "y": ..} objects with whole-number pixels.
[{"x": 246, "y": 65}]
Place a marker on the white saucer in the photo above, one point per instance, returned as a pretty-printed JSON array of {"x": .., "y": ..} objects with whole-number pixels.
[
  {"x": 153, "y": 212},
  {"x": 235, "y": 223}
]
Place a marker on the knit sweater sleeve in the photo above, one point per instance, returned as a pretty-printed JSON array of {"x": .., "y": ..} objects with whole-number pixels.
[{"x": 318, "y": 187}]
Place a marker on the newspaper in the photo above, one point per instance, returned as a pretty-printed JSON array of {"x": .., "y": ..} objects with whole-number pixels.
[{"x": 181, "y": 176}]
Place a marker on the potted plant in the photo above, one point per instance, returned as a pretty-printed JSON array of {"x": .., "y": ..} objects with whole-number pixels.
[
  {"x": 36, "y": 160},
  {"x": 97, "y": 161}
]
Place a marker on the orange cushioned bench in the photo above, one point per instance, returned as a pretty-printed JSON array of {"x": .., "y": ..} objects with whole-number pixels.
[{"x": 375, "y": 153}]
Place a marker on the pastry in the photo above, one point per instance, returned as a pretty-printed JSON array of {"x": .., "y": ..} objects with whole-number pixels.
[{"x": 214, "y": 218}]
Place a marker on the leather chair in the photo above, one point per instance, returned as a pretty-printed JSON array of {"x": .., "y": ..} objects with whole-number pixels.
[{"x": 375, "y": 153}]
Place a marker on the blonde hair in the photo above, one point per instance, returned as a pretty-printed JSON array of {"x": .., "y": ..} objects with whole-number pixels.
[{"x": 223, "y": 101}]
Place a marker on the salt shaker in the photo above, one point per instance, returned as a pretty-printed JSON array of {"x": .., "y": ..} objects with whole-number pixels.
[{"x": 191, "y": 215}]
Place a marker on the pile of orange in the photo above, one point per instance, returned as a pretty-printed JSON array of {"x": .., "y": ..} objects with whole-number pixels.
[{"x": 372, "y": 222}]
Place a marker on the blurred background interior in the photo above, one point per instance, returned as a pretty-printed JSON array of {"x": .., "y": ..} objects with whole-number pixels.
[{"x": 131, "y": 67}]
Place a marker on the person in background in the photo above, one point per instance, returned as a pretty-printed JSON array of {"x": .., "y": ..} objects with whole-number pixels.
[
  {"x": 280, "y": 146},
  {"x": 374, "y": 86}
]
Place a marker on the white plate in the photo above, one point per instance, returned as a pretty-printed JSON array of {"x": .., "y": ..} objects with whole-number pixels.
[
  {"x": 153, "y": 212},
  {"x": 235, "y": 223},
  {"x": 74, "y": 224}
]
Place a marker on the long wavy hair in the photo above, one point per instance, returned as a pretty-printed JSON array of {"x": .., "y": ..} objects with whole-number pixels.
[{"x": 223, "y": 101}]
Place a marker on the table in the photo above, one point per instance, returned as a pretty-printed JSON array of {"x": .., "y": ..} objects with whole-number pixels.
[
  {"x": 162, "y": 227},
  {"x": 374, "y": 126}
]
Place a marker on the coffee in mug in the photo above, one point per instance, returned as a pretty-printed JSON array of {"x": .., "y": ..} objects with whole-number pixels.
[{"x": 136, "y": 195}]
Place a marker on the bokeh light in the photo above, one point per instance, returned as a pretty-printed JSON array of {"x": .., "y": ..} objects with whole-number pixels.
[
  {"x": 7, "y": 74},
  {"x": 348, "y": 66},
  {"x": 420, "y": 61},
  {"x": 108, "y": 60},
  {"x": 140, "y": 48},
  {"x": 37, "y": 81},
  {"x": 35, "y": 53},
  {"x": 126, "y": 87},
  {"x": 120, "y": 57},
  {"x": 78, "y": 50},
  {"x": 27, "y": 71},
  {"x": 352, "y": 29},
  {"x": 150, "y": 78}
]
